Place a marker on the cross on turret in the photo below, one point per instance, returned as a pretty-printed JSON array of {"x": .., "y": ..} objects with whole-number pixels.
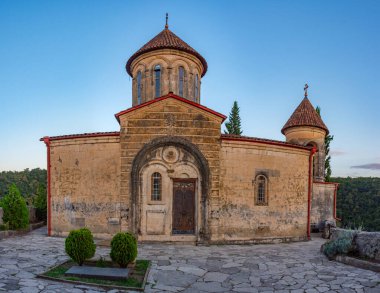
[
  {"x": 305, "y": 89},
  {"x": 166, "y": 24}
]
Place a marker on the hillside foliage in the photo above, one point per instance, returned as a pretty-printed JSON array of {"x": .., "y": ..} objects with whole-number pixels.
[
  {"x": 358, "y": 202},
  {"x": 27, "y": 181}
]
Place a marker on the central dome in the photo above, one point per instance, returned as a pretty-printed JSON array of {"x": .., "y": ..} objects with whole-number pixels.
[
  {"x": 166, "y": 64},
  {"x": 166, "y": 39}
]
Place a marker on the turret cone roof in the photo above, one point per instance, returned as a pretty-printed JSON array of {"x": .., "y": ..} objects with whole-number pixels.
[{"x": 305, "y": 115}]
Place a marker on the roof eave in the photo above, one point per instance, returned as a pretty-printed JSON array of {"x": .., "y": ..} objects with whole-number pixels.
[
  {"x": 304, "y": 125},
  {"x": 170, "y": 95},
  {"x": 137, "y": 54}
]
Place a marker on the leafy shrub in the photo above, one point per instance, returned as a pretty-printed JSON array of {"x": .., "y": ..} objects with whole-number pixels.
[
  {"x": 79, "y": 245},
  {"x": 123, "y": 249},
  {"x": 15, "y": 211},
  {"x": 4, "y": 227},
  {"x": 341, "y": 245},
  {"x": 40, "y": 203},
  {"x": 101, "y": 263}
]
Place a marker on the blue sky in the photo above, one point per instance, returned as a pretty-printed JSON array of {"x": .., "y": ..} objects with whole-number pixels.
[{"x": 63, "y": 68}]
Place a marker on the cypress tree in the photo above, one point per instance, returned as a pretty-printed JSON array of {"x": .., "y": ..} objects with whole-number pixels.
[
  {"x": 328, "y": 139},
  {"x": 233, "y": 124},
  {"x": 15, "y": 211}
]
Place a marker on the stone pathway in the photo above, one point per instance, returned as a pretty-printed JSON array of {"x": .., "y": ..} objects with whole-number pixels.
[{"x": 295, "y": 267}]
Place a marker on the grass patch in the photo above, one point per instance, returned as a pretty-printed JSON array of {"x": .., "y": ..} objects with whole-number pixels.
[{"x": 135, "y": 280}]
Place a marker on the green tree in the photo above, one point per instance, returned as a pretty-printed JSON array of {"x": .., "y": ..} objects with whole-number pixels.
[
  {"x": 233, "y": 124},
  {"x": 328, "y": 139},
  {"x": 40, "y": 203},
  {"x": 27, "y": 181},
  {"x": 15, "y": 211}
]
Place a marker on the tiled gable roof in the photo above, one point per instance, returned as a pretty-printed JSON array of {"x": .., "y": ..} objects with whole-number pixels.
[
  {"x": 305, "y": 115},
  {"x": 81, "y": 135},
  {"x": 166, "y": 40},
  {"x": 234, "y": 137},
  {"x": 168, "y": 96}
]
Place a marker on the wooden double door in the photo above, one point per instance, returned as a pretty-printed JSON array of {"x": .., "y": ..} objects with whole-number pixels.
[{"x": 183, "y": 206}]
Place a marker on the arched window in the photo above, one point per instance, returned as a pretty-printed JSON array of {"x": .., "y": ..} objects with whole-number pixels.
[
  {"x": 157, "y": 80},
  {"x": 156, "y": 186},
  {"x": 261, "y": 190},
  {"x": 196, "y": 88},
  {"x": 139, "y": 87},
  {"x": 181, "y": 77}
]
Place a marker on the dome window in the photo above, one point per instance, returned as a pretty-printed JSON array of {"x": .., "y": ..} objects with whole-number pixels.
[
  {"x": 157, "y": 79},
  {"x": 181, "y": 77}
]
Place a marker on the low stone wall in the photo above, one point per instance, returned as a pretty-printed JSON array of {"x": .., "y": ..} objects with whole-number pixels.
[
  {"x": 10, "y": 233},
  {"x": 1, "y": 216},
  {"x": 32, "y": 215},
  {"x": 367, "y": 244}
]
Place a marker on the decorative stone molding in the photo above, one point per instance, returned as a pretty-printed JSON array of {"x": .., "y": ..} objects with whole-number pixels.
[{"x": 170, "y": 144}]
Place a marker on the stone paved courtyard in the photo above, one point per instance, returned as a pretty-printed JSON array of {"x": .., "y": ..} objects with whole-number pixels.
[{"x": 295, "y": 267}]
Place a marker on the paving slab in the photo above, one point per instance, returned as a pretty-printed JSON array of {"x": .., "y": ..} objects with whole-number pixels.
[
  {"x": 97, "y": 272},
  {"x": 294, "y": 267}
]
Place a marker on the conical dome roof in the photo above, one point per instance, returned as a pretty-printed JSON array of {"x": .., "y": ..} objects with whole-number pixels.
[
  {"x": 305, "y": 115},
  {"x": 166, "y": 39}
]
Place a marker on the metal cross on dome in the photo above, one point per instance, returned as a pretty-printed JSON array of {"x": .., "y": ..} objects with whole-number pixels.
[
  {"x": 305, "y": 89},
  {"x": 166, "y": 25}
]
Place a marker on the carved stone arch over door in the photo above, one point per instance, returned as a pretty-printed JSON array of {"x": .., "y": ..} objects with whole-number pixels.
[{"x": 147, "y": 155}]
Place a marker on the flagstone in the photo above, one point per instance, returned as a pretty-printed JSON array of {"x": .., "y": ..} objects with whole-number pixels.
[{"x": 293, "y": 268}]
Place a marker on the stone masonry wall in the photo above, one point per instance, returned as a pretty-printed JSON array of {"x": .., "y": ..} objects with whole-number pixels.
[
  {"x": 285, "y": 216},
  {"x": 170, "y": 117},
  {"x": 85, "y": 175},
  {"x": 322, "y": 204}
]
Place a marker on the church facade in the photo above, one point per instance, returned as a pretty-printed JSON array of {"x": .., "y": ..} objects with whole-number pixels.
[{"x": 169, "y": 174}]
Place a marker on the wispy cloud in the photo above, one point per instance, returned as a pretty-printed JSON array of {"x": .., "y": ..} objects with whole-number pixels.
[
  {"x": 373, "y": 166},
  {"x": 337, "y": 152}
]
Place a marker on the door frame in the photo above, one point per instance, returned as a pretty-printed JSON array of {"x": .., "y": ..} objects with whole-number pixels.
[{"x": 192, "y": 180}]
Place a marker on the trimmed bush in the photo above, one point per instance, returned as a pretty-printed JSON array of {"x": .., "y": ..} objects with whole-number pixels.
[
  {"x": 15, "y": 211},
  {"x": 342, "y": 245},
  {"x": 123, "y": 249},
  {"x": 79, "y": 245}
]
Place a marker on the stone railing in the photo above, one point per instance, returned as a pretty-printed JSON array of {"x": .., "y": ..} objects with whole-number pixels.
[
  {"x": 366, "y": 244},
  {"x": 32, "y": 215}
]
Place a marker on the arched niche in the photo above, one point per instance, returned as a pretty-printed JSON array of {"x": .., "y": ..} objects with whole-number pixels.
[{"x": 142, "y": 168}]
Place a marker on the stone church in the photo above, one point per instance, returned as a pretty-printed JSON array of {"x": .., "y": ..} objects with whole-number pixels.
[{"x": 169, "y": 174}]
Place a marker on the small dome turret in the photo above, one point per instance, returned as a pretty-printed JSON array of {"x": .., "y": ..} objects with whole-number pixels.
[{"x": 305, "y": 127}]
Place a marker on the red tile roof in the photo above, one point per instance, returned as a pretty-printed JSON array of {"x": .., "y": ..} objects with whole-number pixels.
[
  {"x": 173, "y": 96},
  {"x": 263, "y": 140},
  {"x": 305, "y": 115},
  {"x": 82, "y": 135},
  {"x": 166, "y": 40}
]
